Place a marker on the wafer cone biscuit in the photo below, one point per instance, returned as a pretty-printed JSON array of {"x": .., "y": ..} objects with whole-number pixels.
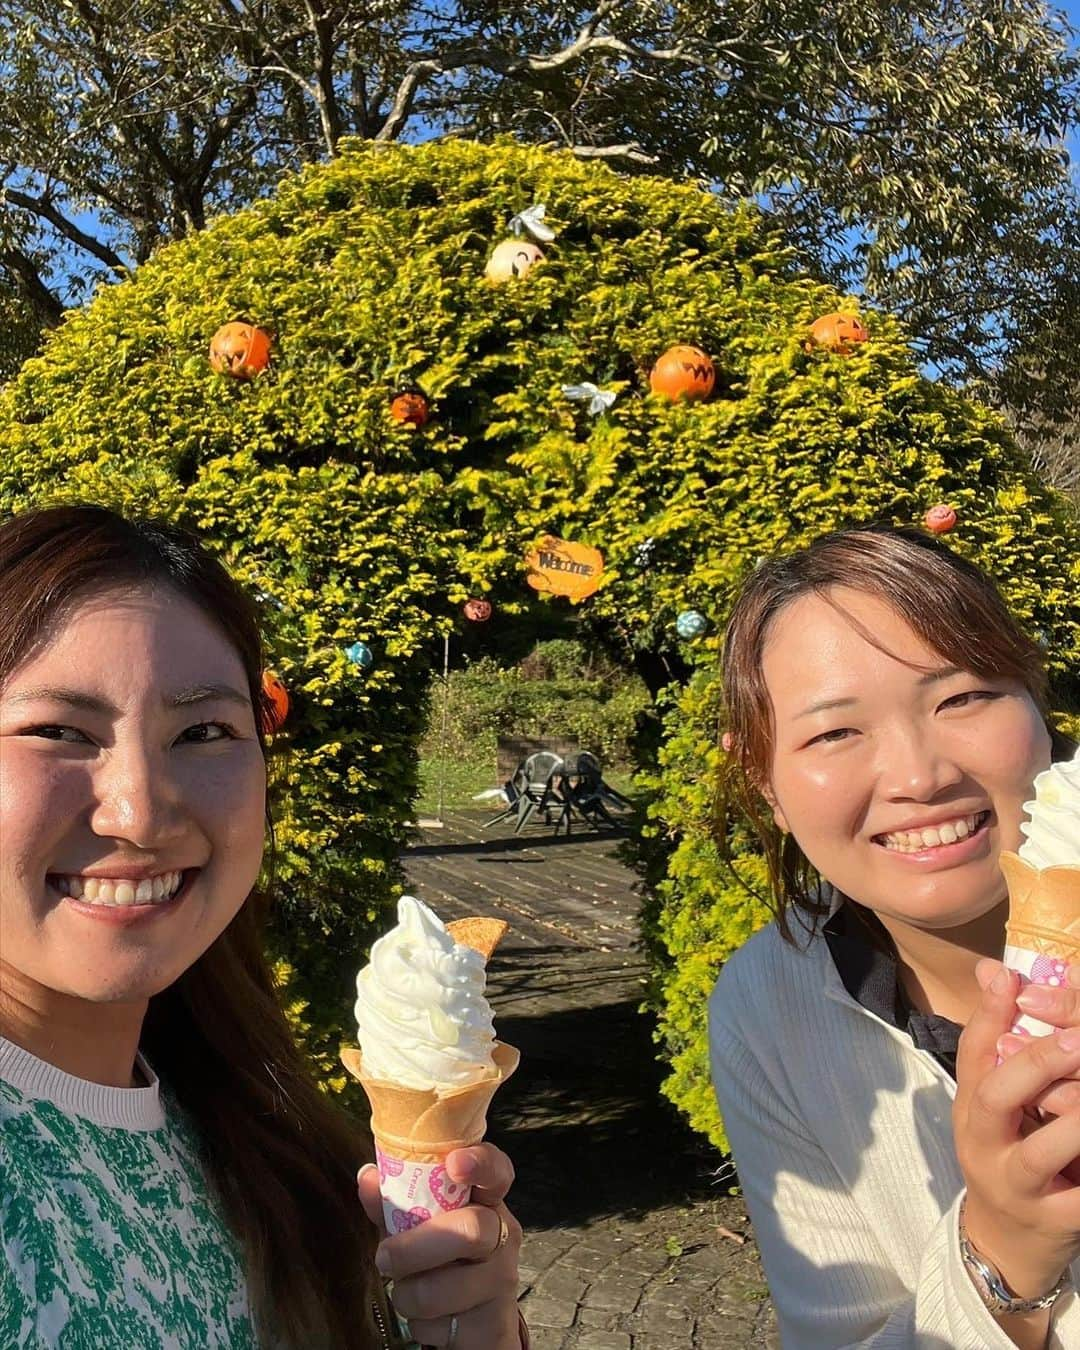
[
  {"x": 1044, "y": 908},
  {"x": 424, "y": 1126},
  {"x": 482, "y": 935}
]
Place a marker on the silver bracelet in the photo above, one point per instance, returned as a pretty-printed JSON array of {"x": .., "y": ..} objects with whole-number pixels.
[{"x": 996, "y": 1295}]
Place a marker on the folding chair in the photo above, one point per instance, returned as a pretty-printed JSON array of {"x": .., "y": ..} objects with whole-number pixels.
[
  {"x": 539, "y": 772},
  {"x": 513, "y": 788}
]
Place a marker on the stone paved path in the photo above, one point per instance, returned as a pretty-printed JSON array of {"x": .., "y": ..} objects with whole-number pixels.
[{"x": 625, "y": 1218}]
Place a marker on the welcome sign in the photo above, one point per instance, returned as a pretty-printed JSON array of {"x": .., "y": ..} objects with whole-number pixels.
[{"x": 560, "y": 567}]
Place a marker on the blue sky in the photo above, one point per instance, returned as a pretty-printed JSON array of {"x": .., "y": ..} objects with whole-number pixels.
[{"x": 1072, "y": 9}]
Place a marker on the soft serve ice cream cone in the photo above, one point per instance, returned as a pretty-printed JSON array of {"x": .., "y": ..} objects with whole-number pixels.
[
  {"x": 1042, "y": 936},
  {"x": 428, "y": 1058}
]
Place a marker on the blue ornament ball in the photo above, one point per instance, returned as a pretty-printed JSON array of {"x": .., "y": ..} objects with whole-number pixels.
[
  {"x": 360, "y": 654},
  {"x": 691, "y": 623}
]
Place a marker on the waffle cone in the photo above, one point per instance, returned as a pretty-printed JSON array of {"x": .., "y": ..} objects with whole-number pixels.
[
  {"x": 424, "y": 1126},
  {"x": 483, "y": 935},
  {"x": 1044, "y": 908}
]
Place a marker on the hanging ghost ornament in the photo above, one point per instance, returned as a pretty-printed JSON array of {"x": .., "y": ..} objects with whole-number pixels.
[
  {"x": 596, "y": 400},
  {"x": 643, "y": 554},
  {"x": 531, "y": 221}
]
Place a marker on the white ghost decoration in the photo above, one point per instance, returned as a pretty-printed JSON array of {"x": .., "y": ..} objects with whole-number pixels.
[
  {"x": 597, "y": 400},
  {"x": 532, "y": 221}
]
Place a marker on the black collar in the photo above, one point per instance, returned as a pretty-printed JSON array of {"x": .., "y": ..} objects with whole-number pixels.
[{"x": 869, "y": 974}]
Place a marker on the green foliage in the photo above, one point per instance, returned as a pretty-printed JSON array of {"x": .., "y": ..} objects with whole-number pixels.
[
  {"x": 20, "y": 330},
  {"x": 369, "y": 270},
  {"x": 557, "y": 690}
]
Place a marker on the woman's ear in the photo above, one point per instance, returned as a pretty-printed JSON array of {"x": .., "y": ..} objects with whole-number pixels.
[{"x": 774, "y": 806}]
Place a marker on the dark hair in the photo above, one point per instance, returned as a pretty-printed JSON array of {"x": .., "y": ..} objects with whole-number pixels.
[
  {"x": 279, "y": 1154},
  {"x": 921, "y": 579}
]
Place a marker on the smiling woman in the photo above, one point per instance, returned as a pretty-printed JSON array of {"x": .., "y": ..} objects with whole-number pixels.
[
  {"x": 887, "y": 720},
  {"x": 169, "y": 1172}
]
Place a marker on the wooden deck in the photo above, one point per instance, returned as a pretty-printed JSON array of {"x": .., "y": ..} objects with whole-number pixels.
[{"x": 574, "y": 892}]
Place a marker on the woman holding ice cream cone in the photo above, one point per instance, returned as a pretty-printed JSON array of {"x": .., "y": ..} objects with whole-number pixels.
[
  {"x": 169, "y": 1172},
  {"x": 909, "y": 1165}
]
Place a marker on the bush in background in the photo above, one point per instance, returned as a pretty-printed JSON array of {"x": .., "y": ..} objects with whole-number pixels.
[{"x": 562, "y": 688}]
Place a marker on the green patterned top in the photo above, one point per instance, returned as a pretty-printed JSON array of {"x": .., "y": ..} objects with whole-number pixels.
[{"x": 109, "y": 1236}]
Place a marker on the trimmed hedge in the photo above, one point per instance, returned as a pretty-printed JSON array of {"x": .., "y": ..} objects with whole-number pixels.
[{"x": 369, "y": 270}]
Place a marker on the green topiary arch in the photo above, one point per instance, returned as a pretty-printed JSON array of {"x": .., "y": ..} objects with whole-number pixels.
[{"x": 369, "y": 271}]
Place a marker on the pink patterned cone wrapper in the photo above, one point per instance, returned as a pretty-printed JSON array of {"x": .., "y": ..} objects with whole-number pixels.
[
  {"x": 415, "y": 1130},
  {"x": 1042, "y": 936}
]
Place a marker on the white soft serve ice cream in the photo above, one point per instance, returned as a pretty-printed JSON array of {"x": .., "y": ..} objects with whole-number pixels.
[
  {"x": 1053, "y": 832},
  {"x": 421, "y": 1015}
]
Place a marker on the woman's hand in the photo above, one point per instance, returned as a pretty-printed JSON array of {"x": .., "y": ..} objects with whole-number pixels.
[
  {"x": 454, "y": 1265},
  {"x": 1022, "y": 1213},
  {"x": 1057, "y": 1007}
]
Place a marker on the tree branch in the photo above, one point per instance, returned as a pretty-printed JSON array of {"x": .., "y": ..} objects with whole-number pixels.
[
  {"x": 632, "y": 151},
  {"x": 497, "y": 59},
  {"x": 39, "y": 206},
  {"x": 29, "y": 284}
]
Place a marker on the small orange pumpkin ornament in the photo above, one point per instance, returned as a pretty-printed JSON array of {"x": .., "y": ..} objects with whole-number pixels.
[
  {"x": 410, "y": 406},
  {"x": 278, "y": 695},
  {"x": 940, "y": 519},
  {"x": 683, "y": 372},
  {"x": 839, "y": 332},
  {"x": 240, "y": 349},
  {"x": 477, "y": 610},
  {"x": 512, "y": 259}
]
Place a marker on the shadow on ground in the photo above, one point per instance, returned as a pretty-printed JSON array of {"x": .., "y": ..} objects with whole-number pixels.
[
  {"x": 583, "y": 1118},
  {"x": 510, "y": 843}
]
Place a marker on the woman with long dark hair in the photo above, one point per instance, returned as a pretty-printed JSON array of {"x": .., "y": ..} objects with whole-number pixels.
[
  {"x": 909, "y": 1185},
  {"x": 170, "y": 1175}
]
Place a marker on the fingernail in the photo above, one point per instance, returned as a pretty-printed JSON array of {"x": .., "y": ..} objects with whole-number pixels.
[
  {"x": 983, "y": 969},
  {"x": 1036, "y": 998},
  {"x": 1002, "y": 981},
  {"x": 465, "y": 1166},
  {"x": 383, "y": 1261},
  {"x": 367, "y": 1167},
  {"x": 1069, "y": 1039}
]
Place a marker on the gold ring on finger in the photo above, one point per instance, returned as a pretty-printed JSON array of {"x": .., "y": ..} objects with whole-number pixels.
[{"x": 504, "y": 1233}]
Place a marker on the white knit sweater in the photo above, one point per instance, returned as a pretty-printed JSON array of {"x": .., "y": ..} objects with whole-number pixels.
[{"x": 842, "y": 1134}]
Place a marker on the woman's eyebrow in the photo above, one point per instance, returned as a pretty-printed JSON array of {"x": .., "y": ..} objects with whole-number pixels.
[
  {"x": 825, "y": 705},
  {"x": 76, "y": 698},
  {"x": 931, "y": 677}
]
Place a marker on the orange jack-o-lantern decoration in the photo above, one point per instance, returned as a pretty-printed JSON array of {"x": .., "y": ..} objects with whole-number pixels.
[
  {"x": 563, "y": 568},
  {"x": 839, "y": 332},
  {"x": 410, "y": 406},
  {"x": 683, "y": 372},
  {"x": 940, "y": 519},
  {"x": 512, "y": 259},
  {"x": 278, "y": 695},
  {"x": 477, "y": 611},
  {"x": 240, "y": 349}
]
